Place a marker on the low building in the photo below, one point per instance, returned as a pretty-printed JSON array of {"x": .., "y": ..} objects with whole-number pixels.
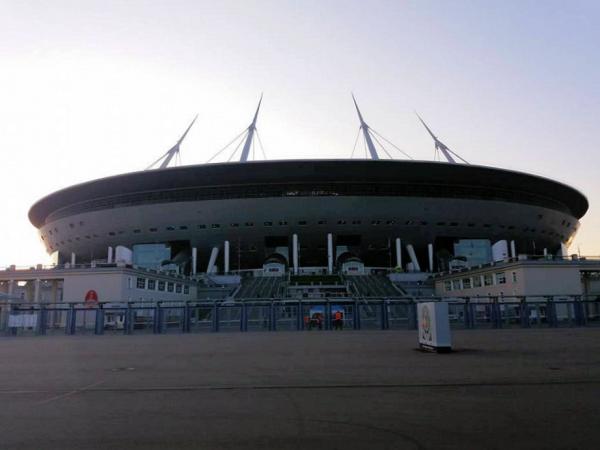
[
  {"x": 105, "y": 283},
  {"x": 522, "y": 277}
]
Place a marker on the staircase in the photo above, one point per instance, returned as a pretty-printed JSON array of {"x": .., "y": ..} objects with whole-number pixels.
[
  {"x": 259, "y": 288},
  {"x": 375, "y": 286}
]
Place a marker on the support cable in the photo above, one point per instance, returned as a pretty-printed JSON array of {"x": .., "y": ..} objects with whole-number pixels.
[
  {"x": 261, "y": 145},
  {"x": 355, "y": 142},
  {"x": 392, "y": 144},
  {"x": 224, "y": 148},
  {"x": 382, "y": 147},
  {"x": 235, "y": 151}
]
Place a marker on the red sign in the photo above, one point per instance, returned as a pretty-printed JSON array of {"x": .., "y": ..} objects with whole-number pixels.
[{"x": 91, "y": 298}]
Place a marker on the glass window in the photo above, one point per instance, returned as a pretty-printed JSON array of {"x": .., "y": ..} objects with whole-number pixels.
[
  {"x": 466, "y": 283},
  {"x": 151, "y": 284},
  {"x": 150, "y": 256},
  {"x": 488, "y": 280},
  {"x": 178, "y": 288},
  {"x": 169, "y": 286},
  {"x": 500, "y": 278},
  {"x": 477, "y": 281},
  {"x": 161, "y": 285},
  {"x": 447, "y": 285},
  {"x": 456, "y": 285},
  {"x": 141, "y": 283},
  {"x": 514, "y": 277},
  {"x": 186, "y": 289}
]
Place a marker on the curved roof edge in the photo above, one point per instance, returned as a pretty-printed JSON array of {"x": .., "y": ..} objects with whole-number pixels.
[{"x": 306, "y": 169}]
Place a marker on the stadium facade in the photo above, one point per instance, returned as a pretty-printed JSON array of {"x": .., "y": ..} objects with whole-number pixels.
[{"x": 327, "y": 215}]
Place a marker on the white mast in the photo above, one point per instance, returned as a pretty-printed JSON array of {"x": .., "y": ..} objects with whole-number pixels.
[
  {"x": 251, "y": 129},
  {"x": 170, "y": 154},
  {"x": 366, "y": 132},
  {"x": 440, "y": 146}
]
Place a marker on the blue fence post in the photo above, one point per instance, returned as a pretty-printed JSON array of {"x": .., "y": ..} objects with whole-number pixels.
[
  {"x": 41, "y": 326},
  {"x": 128, "y": 328},
  {"x": 156, "y": 328},
  {"x": 472, "y": 315},
  {"x": 355, "y": 316},
  {"x": 99, "y": 326},
  {"x": 242, "y": 316},
  {"x": 71, "y": 320},
  {"x": 551, "y": 312},
  {"x": 185, "y": 327},
  {"x": 497, "y": 313},
  {"x": 466, "y": 313},
  {"x": 273, "y": 316},
  {"x": 13, "y": 310},
  {"x": 215, "y": 318},
  {"x": 524, "y": 312},
  {"x": 382, "y": 318},
  {"x": 68, "y": 320},
  {"x": 300, "y": 316},
  {"x": 328, "y": 315},
  {"x": 578, "y": 310}
]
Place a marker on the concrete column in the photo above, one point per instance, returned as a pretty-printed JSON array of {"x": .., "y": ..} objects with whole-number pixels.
[
  {"x": 226, "y": 255},
  {"x": 545, "y": 252},
  {"x": 109, "y": 258},
  {"x": 295, "y": 252},
  {"x": 413, "y": 257},
  {"x": 194, "y": 260},
  {"x": 430, "y": 254},
  {"x": 36, "y": 291},
  {"x": 398, "y": 252},
  {"x": 72, "y": 259},
  {"x": 564, "y": 251},
  {"x": 513, "y": 250},
  {"x": 213, "y": 259},
  {"x": 11, "y": 287},
  {"x": 329, "y": 253}
]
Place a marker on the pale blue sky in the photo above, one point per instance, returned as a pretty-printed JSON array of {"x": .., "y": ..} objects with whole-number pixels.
[{"x": 89, "y": 89}]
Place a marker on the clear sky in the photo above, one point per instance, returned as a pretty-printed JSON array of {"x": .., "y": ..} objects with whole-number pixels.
[{"x": 95, "y": 88}]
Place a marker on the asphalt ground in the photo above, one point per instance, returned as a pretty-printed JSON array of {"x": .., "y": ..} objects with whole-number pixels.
[{"x": 500, "y": 389}]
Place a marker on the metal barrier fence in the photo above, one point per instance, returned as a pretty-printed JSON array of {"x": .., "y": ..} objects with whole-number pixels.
[{"x": 291, "y": 315}]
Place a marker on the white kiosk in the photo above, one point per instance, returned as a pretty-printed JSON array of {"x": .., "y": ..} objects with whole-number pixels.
[{"x": 434, "y": 327}]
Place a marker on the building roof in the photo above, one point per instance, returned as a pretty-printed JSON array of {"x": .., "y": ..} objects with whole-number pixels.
[{"x": 310, "y": 177}]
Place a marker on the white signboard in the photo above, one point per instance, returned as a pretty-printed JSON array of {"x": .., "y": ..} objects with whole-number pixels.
[
  {"x": 22, "y": 320},
  {"x": 434, "y": 326},
  {"x": 500, "y": 251}
]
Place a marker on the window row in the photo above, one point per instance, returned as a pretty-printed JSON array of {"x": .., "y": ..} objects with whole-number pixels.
[
  {"x": 476, "y": 281},
  {"x": 151, "y": 284}
]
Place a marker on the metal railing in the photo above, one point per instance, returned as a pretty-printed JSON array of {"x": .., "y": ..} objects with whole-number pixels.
[{"x": 18, "y": 319}]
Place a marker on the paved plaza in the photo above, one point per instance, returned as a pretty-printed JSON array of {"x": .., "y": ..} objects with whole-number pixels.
[{"x": 515, "y": 389}]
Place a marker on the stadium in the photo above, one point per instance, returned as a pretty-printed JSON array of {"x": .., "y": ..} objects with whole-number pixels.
[{"x": 317, "y": 216}]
